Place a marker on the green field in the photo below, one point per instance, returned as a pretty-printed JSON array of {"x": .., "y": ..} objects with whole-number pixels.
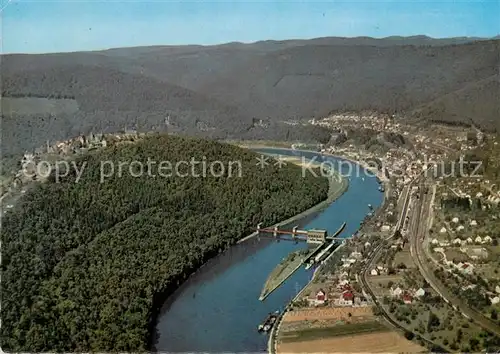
[
  {"x": 334, "y": 331},
  {"x": 35, "y": 105}
]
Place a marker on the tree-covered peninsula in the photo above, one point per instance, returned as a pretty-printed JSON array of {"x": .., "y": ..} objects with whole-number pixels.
[{"x": 86, "y": 261}]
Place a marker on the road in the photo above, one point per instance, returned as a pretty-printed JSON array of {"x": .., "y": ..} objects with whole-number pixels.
[
  {"x": 418, "y": 232},
  {"x": 369, "y": 265}
]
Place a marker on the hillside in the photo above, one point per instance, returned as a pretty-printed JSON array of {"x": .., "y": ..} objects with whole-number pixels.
[
  {"x": 108, "y": 100},
  {"x": 218, "y": 91},
  {"x": 85, "y": 265},
  {"x": 455, "y": 107}
]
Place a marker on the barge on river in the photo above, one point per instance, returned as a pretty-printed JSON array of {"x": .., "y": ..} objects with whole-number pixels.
[{"x": 269, "y": 322}]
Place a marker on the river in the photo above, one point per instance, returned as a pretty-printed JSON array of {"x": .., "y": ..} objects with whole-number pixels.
[{"x": 217, "y": 309}]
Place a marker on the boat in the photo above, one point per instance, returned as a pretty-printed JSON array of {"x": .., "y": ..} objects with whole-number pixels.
[
  {"x": 370, "y": 206},
  {"x": 269, "y": 322},
  {"x": 381, "y": 189}
]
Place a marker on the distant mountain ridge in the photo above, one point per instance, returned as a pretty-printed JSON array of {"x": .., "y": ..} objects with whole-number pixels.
[{"x": 220, "y": 90}]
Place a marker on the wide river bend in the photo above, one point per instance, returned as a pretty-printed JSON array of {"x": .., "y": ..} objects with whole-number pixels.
[{"x": 217, "y": 309}]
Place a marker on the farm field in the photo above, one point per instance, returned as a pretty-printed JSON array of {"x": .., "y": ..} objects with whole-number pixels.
[
  {"x": 380, "y": 342},
  {"x": 404, "y": 257},
  {"x": 331, "y": 313},
  {"x": 332, "y": 331}
]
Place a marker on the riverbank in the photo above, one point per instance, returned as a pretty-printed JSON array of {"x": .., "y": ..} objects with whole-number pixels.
[
  {"x": 204, "y": 299},
  {"x": 283, "y": 271},
  {"x": 338, "y": 185},
  {"x": 384, "y": 181}
]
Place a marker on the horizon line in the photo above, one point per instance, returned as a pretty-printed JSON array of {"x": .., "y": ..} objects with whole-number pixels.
[{"x": 472, "y": 38}]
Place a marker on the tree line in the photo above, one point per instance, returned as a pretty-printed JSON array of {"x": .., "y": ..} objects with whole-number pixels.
[{"x": 86, "y": 265}]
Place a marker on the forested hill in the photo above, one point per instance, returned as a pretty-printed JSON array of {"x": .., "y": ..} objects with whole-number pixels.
[
  {"x": 221, "y": 91},
  {"x": 85, "y": 264}
]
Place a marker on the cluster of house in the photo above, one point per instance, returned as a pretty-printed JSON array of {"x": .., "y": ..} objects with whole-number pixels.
[
  {"x": 478, "y": 240},
  {"x": 67, "y": 147},
  {"x": 343, "y": 296},
  {"x": 458, "y": 241},
  {"x": 492, "y": 196},
  {"x": 493, "y": 296},
  {"x": 347, "y": 262},
  {"x": 465, "y": 268},
  {"x": 379, "y": 270},
  {"x": 408, "y": 296}
]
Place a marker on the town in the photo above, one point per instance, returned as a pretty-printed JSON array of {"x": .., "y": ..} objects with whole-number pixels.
[{"x": 427, "y": 262}]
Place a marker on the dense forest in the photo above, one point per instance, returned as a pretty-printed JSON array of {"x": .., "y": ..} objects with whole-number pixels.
[
  {"x": 86, "y": 263},
  {"x": 218, "y": 91}
]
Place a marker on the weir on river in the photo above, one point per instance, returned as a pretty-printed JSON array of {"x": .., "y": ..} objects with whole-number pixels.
[{"x": 225, "y": 311}]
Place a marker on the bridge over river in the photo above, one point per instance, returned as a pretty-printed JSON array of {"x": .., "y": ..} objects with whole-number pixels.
[{"x": 218, "y": 308}]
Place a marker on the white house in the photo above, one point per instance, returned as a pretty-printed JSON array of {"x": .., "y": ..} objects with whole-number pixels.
[
  {"x": 443, "y": 230},
  {"x": 497, "y": 289},
  {"x": 434, "y": 241},
  {"x": 343, "y": 283},
  {"x": 356, "y": 255},
  {"x": 495, "y": 300},
  {"x": 419, "y": 293},
  {"x": 487, "y": 239},
  {"x": 469, "y": 240},
  {"x": 473, "y": 223},
  {"x": 466, "y": 268},
  {"x": 457, "y": 241},
  {"x": 460, "y": 228},
  {"x": 478, "y": 239},
  {"x": 385, "y": 228},
  {"x": 469, "y": 287},
  {"x": 374, "y": 272},
  {"x": 479, "y": 195},
  {"x": 396, "y": 292},
  {"x": 455, "y": 220}
]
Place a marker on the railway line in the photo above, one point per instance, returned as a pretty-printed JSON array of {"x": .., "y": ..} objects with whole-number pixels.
[{"x": 417, "y": 238}]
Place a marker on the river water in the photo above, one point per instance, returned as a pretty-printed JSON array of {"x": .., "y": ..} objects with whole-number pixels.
[{"x": 217, "y": 309}]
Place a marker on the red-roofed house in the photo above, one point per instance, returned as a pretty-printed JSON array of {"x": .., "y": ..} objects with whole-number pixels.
[
  {"x": 319, "y": 299},
  {"x": 346, "y": 287},
  {"x": 347, "y": 298},
  {"x": 407, "y": 298}
]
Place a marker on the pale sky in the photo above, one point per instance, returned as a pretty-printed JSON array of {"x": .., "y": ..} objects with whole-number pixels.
[{"x": 33, "y": 26}]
